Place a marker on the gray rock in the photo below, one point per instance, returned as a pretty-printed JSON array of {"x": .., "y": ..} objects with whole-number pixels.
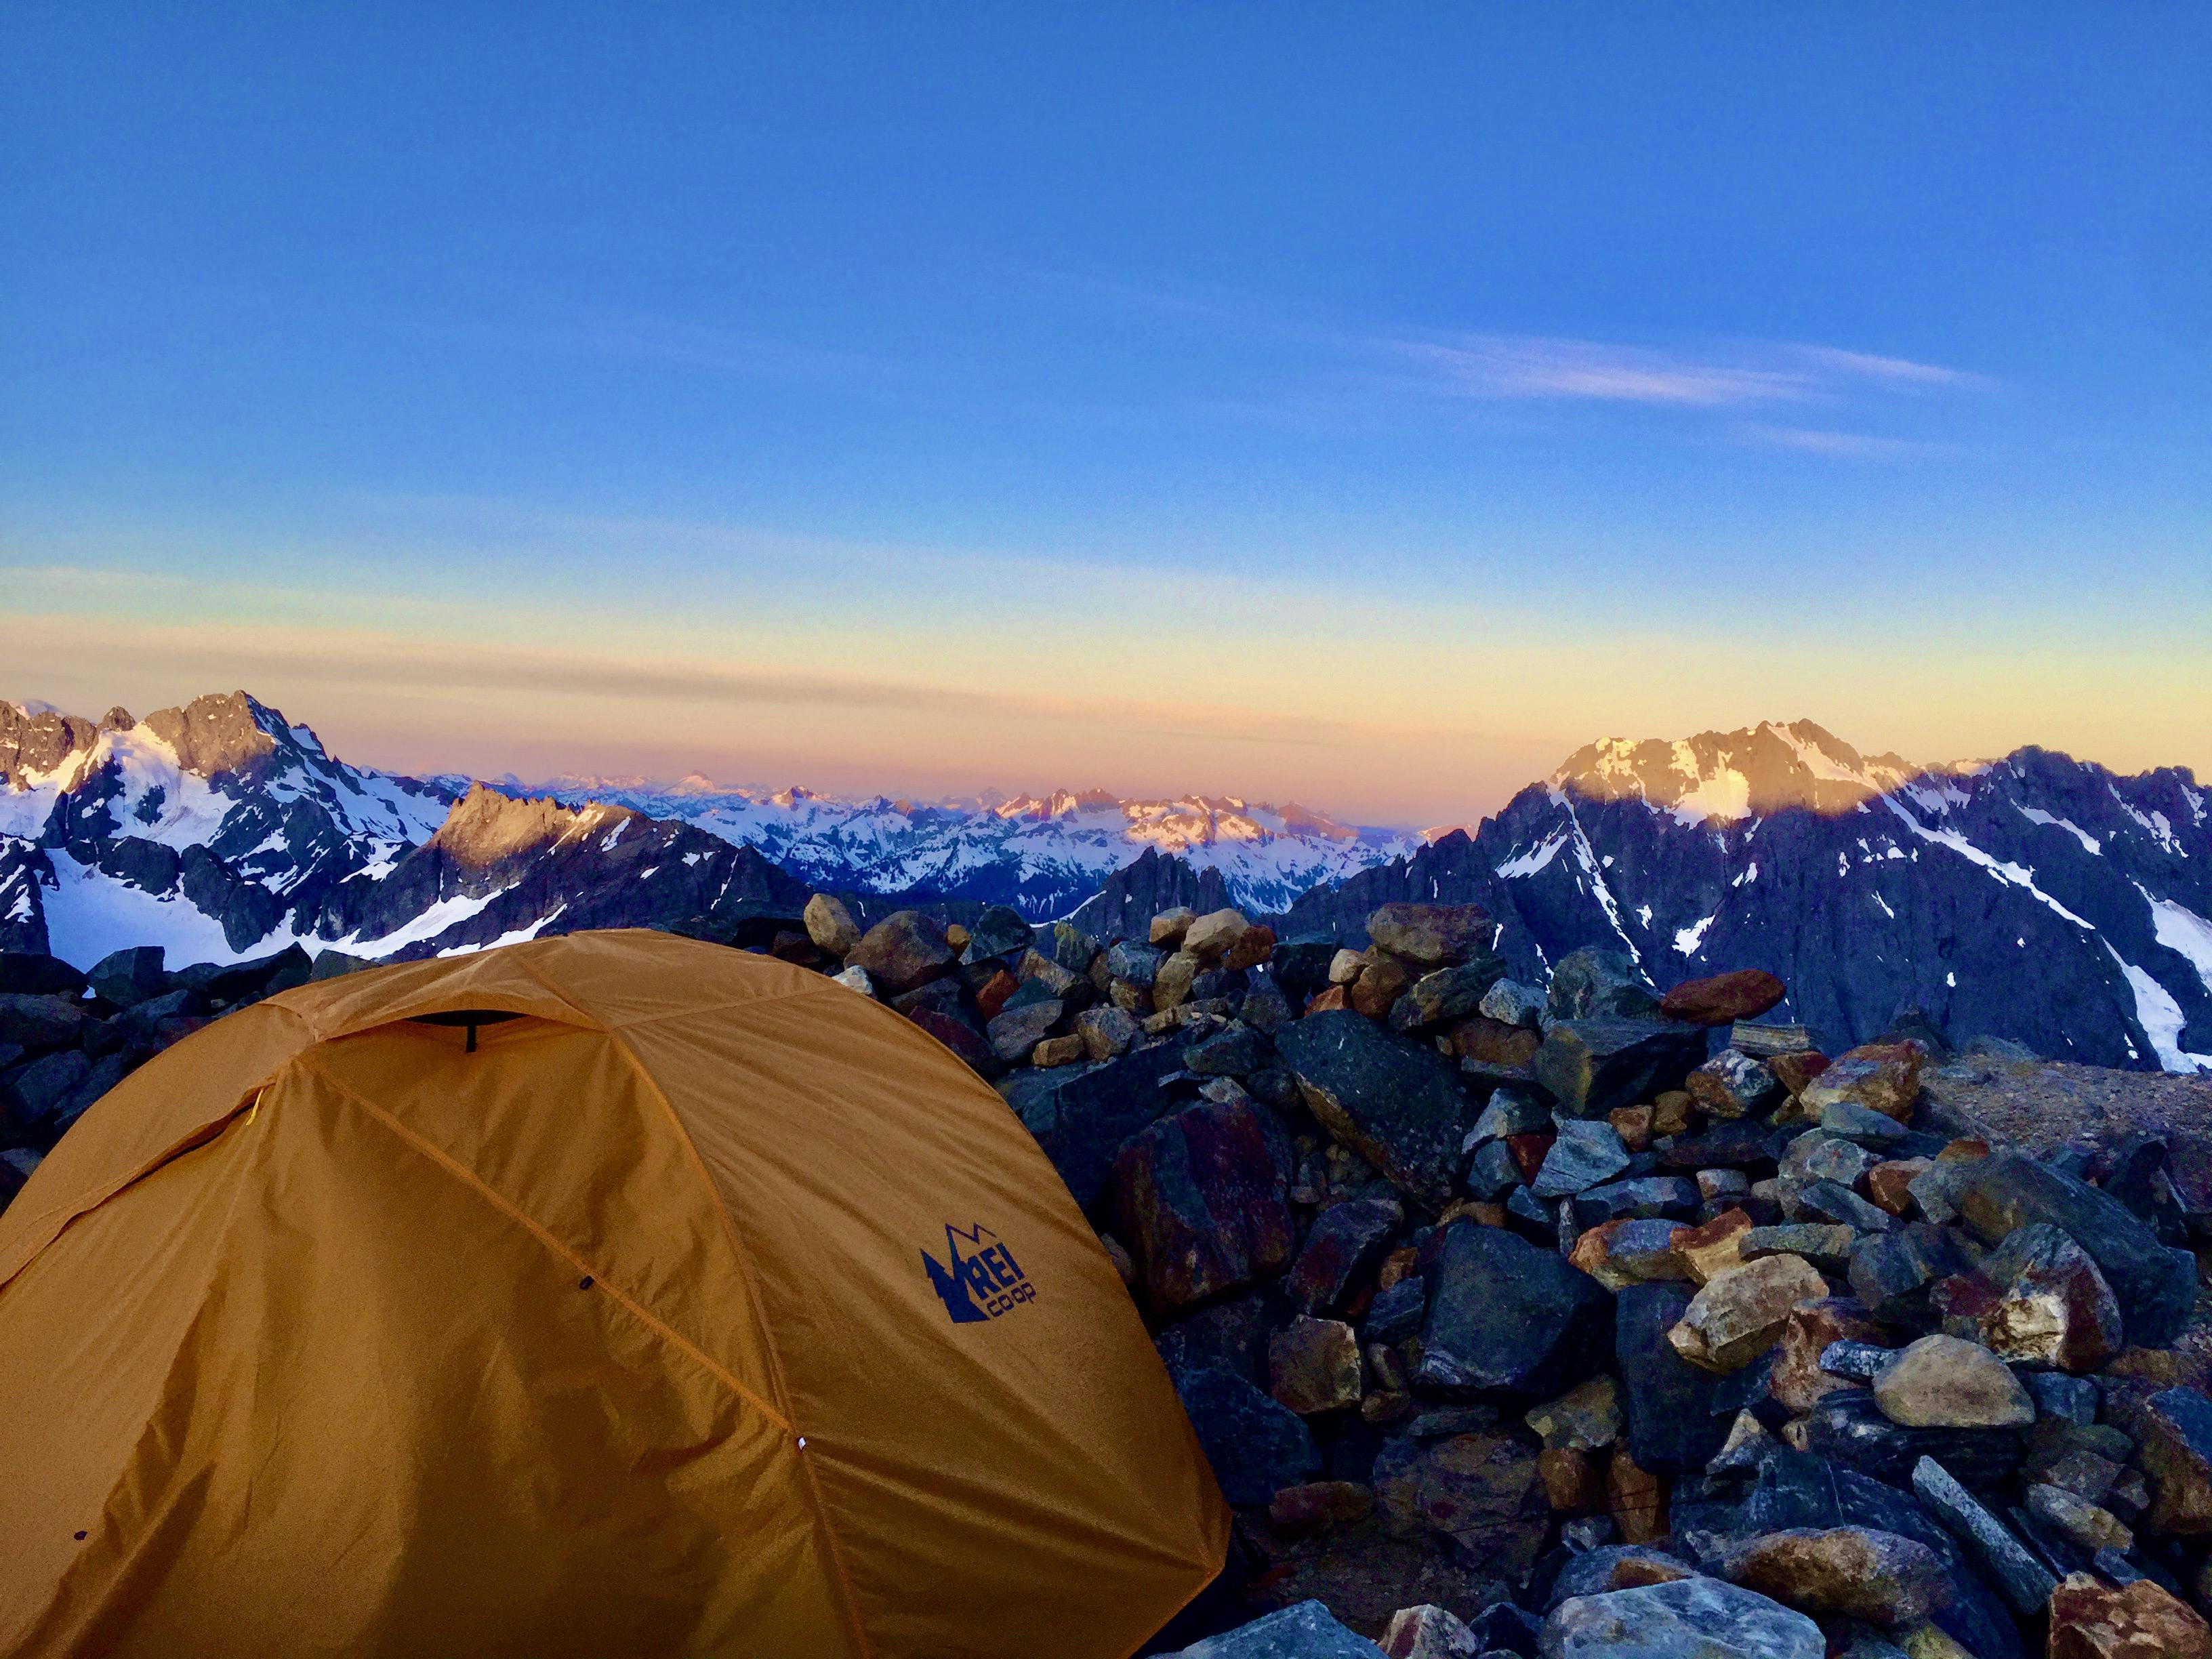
[
  {"x": 1449, "y": 994},
  {"x": 1862, "y": 1124},
  {"x": 1645, "y": 1198},
  {"x": 1847, "y": 1427},
  {"x": 1688, "y": 1618},
  {"x": 1512, "y": 1003},
  {"x": 1833, "y": 1203},
  {"x": 2024, "y": 1581},
  {"x": 2062, "y": 1398},
  {"x": 1586, "y": 1154},
  {"x": 1491, "y": 1173},
  {"x": 1397, "y": 1105},
  {"x": 1080, "y": 1118},
  {"x": 1504, "y": 1314},
  {"x": 129, "y": 975},
  {"x": 36, "y": 1024},
  {"x": 1236, "y": 1051},
  {"x": 1396, "y": 1313},
  {"x": 1510, "y": 1112},
  {"x": 1138, "y": 963},
  {"x": 1891, "y": 1272},
  {"x": 1256, "y": 1446},
  {"x": 1020, "y": 1029},
  {"x": 1856, "y": 1360},
  {"x": 1826, "y": 1247},
  {"x": 1301, "y": 1630},
  {"x": 1000, "y": 932},
  {"x": 1594, "y": 984}
]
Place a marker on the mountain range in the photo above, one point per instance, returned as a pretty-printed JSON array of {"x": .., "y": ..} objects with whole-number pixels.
[{"x": 2034, "y": 898}]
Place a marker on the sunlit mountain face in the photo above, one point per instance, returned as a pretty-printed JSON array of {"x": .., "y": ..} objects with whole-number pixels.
[{"x": 2035, "y": 898}]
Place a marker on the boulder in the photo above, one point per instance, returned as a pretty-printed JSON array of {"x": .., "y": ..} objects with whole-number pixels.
[
  {"x": 1397, "y": 1311},
  {"x": 1941, "y": 1382},
  {"x": 1210, "y": 937},
  {"x": 1694, "y": 1618},
  {"x": 2026, "y": 1582},
  {"x": 2082, "y": 1523},
  {"x": 2091, "y": 1621},
  {"x": 1800, "y": 1380},
  {"x": 1380, "y": 984},
  {"x": 1740, "y": 1316},
  {"x": 1081, "y": 1119},
  {"x": 1201, "y": 1200},
  {"x": 1883, "y": 1076},
  {"x": 1447, "y": 995},
  {"x": 1057, "y": 1051},
  {"x": 1895, "y": 1271},
  {"x": 129, "y": 975},
  {"x": 960, "y": 1037},
  {"x": 1587, "y": 1418},
  {"x": 905, "y": 950},
  {"x": 1733, "y": 1084},
  {"x": 1849, "y": 1428},
  {"x": 29, "y": 973},
  {"x": 830, "y": 926},
  {"x": 1014, "y": 1033},
  {"x": 1630, "y": 1252},
  {"x": 1591, "y": 1065},
  {"x": 1171, "y": 983},
  {"x": 999, "y": 933},
  {"x": 1723, "y": 999},
  {"x": 1480, "y": 1490},
  {"x": 1672, "y": 1428},
  {"x": 1254, "y": 945},
  {"x": 1342, "y": 1248},
  {"x": 1594, "y": 984},
  {"x": 1303, "y": 1631},
  {"x": 1854, "y": 1572},
  {"x": 1428, "y": 1631},
  {"x": 2176, "y": 1453},
  {"x": 1504, "y": 1314},
  {"x": 1313, "y": 1365},
  {"x": 1234, "y": 1051},
  {"x": 1509, "y": 1002},
  {"x": 1256, "y": 1446},
  {"x": 1431, "y": 935},
  {"x": 1642, "y": 1197},
  {"x": 2048, "y": 1304},
  {"x": 36, "y": 1024},
  {"x": 1168, "y": 928},
  {"x": 1994, "y": 1196},
  {"x": 1107, "y": 1032},
  {"x": 1396, "y": 1105},
  {"x": 1585, "y": 1153}
]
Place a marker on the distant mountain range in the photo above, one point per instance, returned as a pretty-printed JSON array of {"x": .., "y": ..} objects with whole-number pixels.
[
  {"x": 2034, "y": 898},
  {"x": 221, "y": 830}
]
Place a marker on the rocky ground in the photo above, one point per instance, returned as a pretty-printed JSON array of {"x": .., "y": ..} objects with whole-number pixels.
[{"x": 1564, "y": 1322}]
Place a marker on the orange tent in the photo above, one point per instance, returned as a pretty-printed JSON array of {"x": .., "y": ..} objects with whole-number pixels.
[{"x": 608, "y": 1295}]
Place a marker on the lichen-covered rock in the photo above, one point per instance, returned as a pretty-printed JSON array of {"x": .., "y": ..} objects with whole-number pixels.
[
  {"x": 1733, "y": 1084},
  {"x": 833, "y": 930},
  {"x": 1313, "y": 1366},
  {"x": 2049, "y": 1304},
  {"x": 1592, "y": 1066},
  {"x": 1431, "y": 935},
  {"x": 1884, "y": 1076}
]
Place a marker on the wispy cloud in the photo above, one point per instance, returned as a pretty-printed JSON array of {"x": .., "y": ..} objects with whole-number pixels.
[
  {"x": 1508, "y": 365},
  {"x": 1546, "y": 367},
  {"x": 1846, "y": 445}
]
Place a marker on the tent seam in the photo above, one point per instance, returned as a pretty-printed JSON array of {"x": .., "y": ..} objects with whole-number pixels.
[
  {"x": 637, "y": 1309},
  {"x": 743, "y": 1261}
]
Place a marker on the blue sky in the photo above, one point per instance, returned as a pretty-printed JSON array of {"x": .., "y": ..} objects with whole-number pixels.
[{"x": 1288, "y": 400}]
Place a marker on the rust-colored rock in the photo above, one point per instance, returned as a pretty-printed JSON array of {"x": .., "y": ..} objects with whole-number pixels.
[
  {"x": 1794, "y": 1071},
  {"x": 1708, "y": 1251},
  {"x": 1328, "y": 1001},
  {"x": 1493, "y": 1043},
  {"x": 991, "y": 1000},
  {"x": 1637, "y": 1497},
  {"x": 1313, "y": 1365},
  {"x": 1202, "y": 1202},
  {"x": 1529, "y": 1153},
  {"x": 1739, "y": 1315},
  {"x": 1723, "y": 999},
  {"x": 1057, "y": 1051},
  {"x": 1480, "y": 1490},
  {"x": 1571, "y": 1480},
  {"x": 1889, "y": 1185},
  {"x": 2089, "y": 1620},
  {"x": 1884, "y": 1077},
  {"x": 1798, "y": 1383},
  {"x": 1254, "y": 946},
  {"x": 1858, "y": 1572},
  {"x": 1381, "y": 983},
  {"x": 1431, "y": 935},
  {"x": 1633, "y": 1124}
]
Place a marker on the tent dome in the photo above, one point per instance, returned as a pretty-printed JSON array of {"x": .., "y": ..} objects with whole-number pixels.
[{"x": 608, "y": 1294}]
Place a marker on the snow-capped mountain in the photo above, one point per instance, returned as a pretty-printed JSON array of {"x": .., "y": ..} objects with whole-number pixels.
[
  {"x": 2035, "y": 898},
  {"x": 1042, "y": 855},
  {"x": 221, "y": 830}
]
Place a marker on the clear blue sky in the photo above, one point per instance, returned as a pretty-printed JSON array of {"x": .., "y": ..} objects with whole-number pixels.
[{"x": 1365, "y": 403}]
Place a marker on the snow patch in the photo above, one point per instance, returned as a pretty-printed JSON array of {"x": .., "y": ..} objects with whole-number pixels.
[
  {"x": 2036, "y": 815},
  {"x": 1528, "y": 863},
  {"x": 2160, "y": 1017},
  {"x": 1687, "y": 940}
]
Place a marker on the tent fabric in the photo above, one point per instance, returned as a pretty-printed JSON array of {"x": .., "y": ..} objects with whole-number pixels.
[{"x": 707, "y": 1308}]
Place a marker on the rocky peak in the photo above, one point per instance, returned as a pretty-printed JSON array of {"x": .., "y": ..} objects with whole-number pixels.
[
  {"x": 36, "y": 742},
  {"x": 218, "y": 735},
  {"x": 486, "y": 828},
  {"x": 1731, "y": 775}
]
